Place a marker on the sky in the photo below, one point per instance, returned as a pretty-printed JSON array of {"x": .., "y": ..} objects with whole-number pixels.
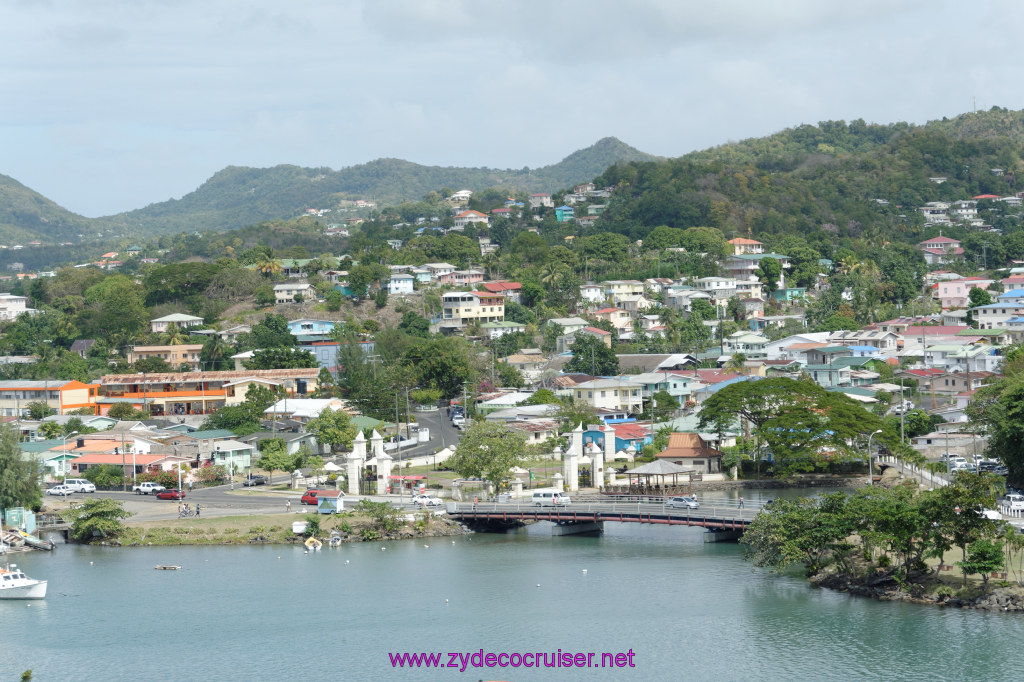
[{"x": 111, "y": 105}]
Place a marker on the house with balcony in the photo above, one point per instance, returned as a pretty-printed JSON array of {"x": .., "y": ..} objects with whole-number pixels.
[
  {"x": 462, "y": 308},
  {"x": 616, "y": 393},
  {"x": 941, "y": 250},
  {"x": 184, "y": 393},
  {"x": 291, "y": 292},
  {"x": 175, "y": 356},
  {"x": 494, "y": 330},
  {"x": 751, "y": 345},
  {"x": 936, "y": 212},
  {"x": 677, "y": 384},
  {"x": 742, "y": 246},
  {"x": 12, "y": 305},
  {"x": 564, "y": 214},
  {"x": 996, "y": 315},
  {"x": 540, "y": 200},
  {"x": 438, "y": 270},
  {"x": 462, "y": 278},
  {"x": 160, "y": 324},
  {"x": 956, "y": 293},
  {"x": 616, "y": 289},
  {"x": 401, "y": 284},
  {"x": 310, "y": 327},
  {"x": 469, "y": 217},
  {"x": 746, "y": 266},
  {"x": 717, "y": 288},
  {"x": 682, "y": 298}
]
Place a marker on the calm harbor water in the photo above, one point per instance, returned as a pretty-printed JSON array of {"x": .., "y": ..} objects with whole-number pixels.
[{"x": 688, "y": 610}]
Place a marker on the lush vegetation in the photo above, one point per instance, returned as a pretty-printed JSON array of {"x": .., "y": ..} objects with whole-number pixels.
[{"x": 892, "y": 531}]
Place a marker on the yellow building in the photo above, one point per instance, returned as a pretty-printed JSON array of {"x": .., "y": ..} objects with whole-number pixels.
[{"x": 175, "y": 356}]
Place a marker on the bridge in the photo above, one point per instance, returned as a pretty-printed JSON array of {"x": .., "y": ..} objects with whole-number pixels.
[{"x": 724, "y": 522}]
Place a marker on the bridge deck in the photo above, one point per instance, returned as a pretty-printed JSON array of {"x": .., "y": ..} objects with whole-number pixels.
[{"x": 713, "y": 517}]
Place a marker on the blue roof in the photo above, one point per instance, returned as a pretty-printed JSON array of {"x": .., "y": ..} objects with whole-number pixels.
[
  {"x": 871, "y": 348},
  {"x": 1016, "y": 293}
]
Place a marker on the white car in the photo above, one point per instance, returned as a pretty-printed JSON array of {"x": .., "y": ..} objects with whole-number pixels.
[
  {"x": 80, "y": 485},
  {"x": 427, "y": 500},
  {"x": 682, "y": 503},
  {"x": 61, "y": 490}
]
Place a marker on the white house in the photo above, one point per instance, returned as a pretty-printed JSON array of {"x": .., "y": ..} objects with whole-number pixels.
[
  {"x": 400, "y": 284},
  {"x": 287, "y": 292}
]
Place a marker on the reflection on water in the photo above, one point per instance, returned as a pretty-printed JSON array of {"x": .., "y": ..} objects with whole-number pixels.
[{"x": 276, "y": 612}]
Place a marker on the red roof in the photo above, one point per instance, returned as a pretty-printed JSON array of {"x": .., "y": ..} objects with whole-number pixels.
[
  {"x": 631, "y": 431},
  {"x": 595, "y": 330},
  {"x": 498, "y": 287},
  {"x": 986, "y": 196},
  {"x": 941, "y": 240},
  {"x": 605, "y": 311}
]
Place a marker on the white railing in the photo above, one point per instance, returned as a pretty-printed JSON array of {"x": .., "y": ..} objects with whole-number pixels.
[{"x": 725, "y": 511}]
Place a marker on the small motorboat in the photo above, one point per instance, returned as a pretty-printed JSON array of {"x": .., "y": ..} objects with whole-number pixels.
[
  {"x": 167, "y": 567},
  {"x": 14, "y": 584},
  {"x": 335, "y": 540},
  {"x": 313, "y": 544},
  {"x": 33, "y": 541}
]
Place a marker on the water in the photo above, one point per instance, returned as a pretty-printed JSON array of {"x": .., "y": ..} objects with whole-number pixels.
[{"x": 688, "y": 610}]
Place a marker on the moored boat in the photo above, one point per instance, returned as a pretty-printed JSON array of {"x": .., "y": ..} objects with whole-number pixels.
[
  {"x": 14, "y": 584},
  {"x": 313, "y": 544}
]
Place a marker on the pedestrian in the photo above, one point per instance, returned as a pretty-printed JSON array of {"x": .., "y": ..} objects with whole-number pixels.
[
  {"x": 190, "y": 486},
  {"x": 288, "y": 505},
  {"x": 197, "y": 511},
  {"x": 474, "y": 503},
  {"x": 179, "y": 509},
  {"x": 741, "y": 502}
]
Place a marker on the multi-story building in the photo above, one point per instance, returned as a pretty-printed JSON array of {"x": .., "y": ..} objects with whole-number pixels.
[
  {"x": 460, "y": 308},
  {"x": 175, "y": 356},
  {"x": 181, "y": 393},
  {"x": 11, "y": 306},
  {"x": 743, "y": 246},
  {"x": 617, "y": 393},
  {"x": 61, "y": 396},
  {"x": 160, "y": 324}
]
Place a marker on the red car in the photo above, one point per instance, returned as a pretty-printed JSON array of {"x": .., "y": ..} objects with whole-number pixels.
[
  {"x": 172, "y": 494},
  {"x": 310, "y": 497}
]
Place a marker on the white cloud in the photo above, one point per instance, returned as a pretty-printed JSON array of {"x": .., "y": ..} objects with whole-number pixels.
[{"x": 114, "y": 104}]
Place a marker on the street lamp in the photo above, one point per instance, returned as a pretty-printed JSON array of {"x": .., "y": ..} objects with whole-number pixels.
[
  {"x": 871, "y": 476},
  {"x": 64, "y": 453}
]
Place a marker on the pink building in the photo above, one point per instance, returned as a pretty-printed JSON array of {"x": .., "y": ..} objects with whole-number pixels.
[{"x": 954, "y": 294}]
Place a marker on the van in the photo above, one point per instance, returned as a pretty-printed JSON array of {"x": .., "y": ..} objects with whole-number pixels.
[
  {"x": 551, "y": 500},
  {"x": 80, "y": 485},
  {"x": 1015, "y": 501}
]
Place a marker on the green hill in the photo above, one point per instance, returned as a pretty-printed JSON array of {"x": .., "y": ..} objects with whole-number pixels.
[
  {"x": 236, "y": 197},
  {"x": 26, "y": 215}
]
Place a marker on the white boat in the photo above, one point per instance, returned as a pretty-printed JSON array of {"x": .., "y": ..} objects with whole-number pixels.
[{"x": 14, "y": 584}]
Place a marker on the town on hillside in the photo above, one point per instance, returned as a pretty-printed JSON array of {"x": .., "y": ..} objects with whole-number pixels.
[{"x": 710, "y": 356}]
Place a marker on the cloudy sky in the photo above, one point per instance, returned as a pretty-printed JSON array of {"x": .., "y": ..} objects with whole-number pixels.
[{"x": 110, "y": 105}]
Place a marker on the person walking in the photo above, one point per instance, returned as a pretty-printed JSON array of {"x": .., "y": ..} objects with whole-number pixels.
[
  {"x": 197, "y": 511},
  {"x": 741, "y": 502},
  {"x": 288, "y": 506}
]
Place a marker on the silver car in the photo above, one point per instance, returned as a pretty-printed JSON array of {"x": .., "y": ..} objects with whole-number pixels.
[{"x": 683, "y": 503}]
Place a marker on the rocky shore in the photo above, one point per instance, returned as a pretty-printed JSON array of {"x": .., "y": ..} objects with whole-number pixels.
[{"x": 930, "y": 591}]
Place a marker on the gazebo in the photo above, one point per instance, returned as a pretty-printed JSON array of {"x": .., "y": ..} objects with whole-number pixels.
[{"x": 659, "y": 470}]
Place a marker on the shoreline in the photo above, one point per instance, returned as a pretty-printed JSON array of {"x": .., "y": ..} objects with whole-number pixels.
[{"x": 930, "y": 592}]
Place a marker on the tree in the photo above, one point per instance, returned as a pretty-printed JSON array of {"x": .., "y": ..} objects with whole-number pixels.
[
  {"x": 271, "y": 332},
  {"x": 39, "y": 410},
  {"x": 19, "y": 484},
  {"x": 281, "y": 358},
  {"x": 984, "y": 557},
  {"x": 49, "y": 430},
  {"x": 274, "y": 456},
  {"x": 804, "y": 531},
  {"x": 571, "y": 413},
  {"x": 491, "y": 451},
  {"x": 125, "y": 412},
  {"x": 216, "y": 354},
  {"x": 769, "y": 272},
  {"x": 978, "y": 297},
  {"x": 415, "y": 325},
  {"x": 663, "y": 406},
  {"x": 334, "y": 428},
  {"x": 441, "y": 363},
  {"x": 380, "y": 299},
  {"x": 100, "y": 517},
  {"x": 591, "y": 356},
  {"x": 264, "y": 296}
]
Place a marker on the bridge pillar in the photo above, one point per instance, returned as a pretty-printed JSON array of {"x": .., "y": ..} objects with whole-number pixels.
[
  {"x": 582, "y": 528},
  {"x": 722, "y": 535},
  {"x": 355, "y": 462}
]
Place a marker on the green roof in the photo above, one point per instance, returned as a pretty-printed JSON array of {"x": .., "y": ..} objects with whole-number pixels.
[
  {"x": 212, "y": 433},
  {"x": 362, "y": 422},
  {"x": 834, "y": 349},
  {"x": 981, "y": 332},
  {"x": 853, "y": 362},
  {"x": 40, "y": 445}
]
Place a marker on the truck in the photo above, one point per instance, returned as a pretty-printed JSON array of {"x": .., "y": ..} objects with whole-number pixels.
[{"x": 147, "y": 488}]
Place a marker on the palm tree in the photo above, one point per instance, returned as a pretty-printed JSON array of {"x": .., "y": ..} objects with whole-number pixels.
[
  {"x": 215, "y": 354},
  {"x": 269, "y": 266},
  {"x": 174, "y": 336},
  {"x": 735, "y": 363}
]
